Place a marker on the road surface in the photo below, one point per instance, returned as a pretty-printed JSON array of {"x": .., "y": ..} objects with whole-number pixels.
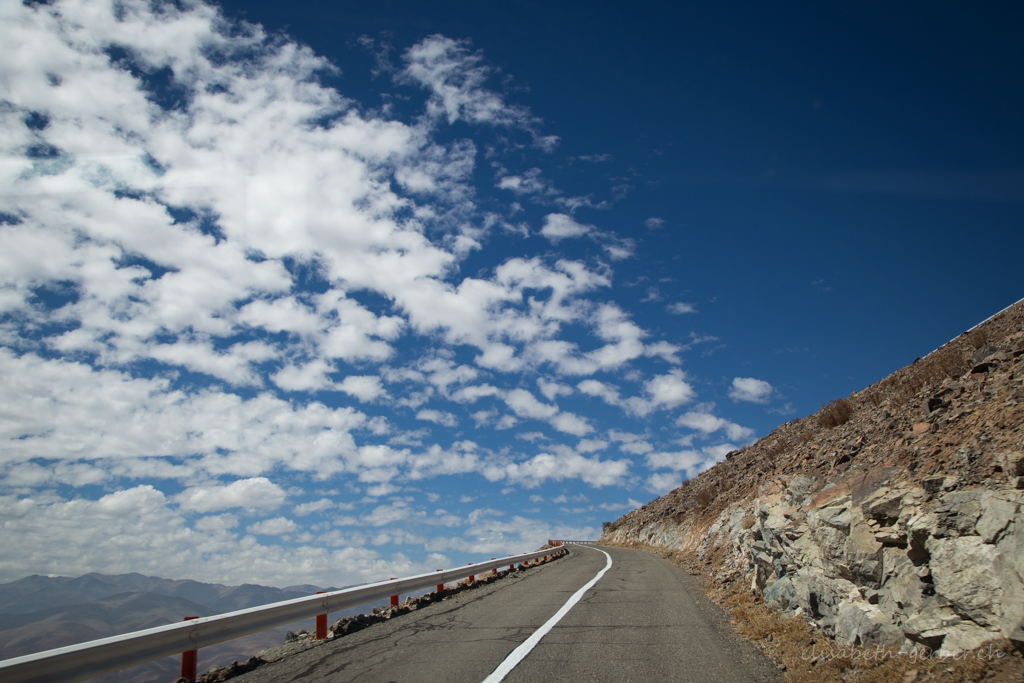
[{"x": 644, "y": 620}]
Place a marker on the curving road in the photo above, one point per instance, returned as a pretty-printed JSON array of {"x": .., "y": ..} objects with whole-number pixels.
[{"x": 645, "y": 619}]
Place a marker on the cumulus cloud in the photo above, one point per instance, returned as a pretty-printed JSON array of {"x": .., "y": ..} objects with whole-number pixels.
[
  {"x": 314, "y": 506},
  {"x": 706, "y": 423},
  {"x": 681, "y": 308},
  {"x": 661, "y": 483},
  {"x": 437, "y": 417},
  {"x": 72, "y": 537},
  {"x": 209, "y": 276},
  {"x": 662, "y": 392},
  {"x": 559, "y": 226},
  {"x": 258, "y": 492},
  {"x": 278, "y": 526},
  {"x": 364, "y": 387},
  {"x": 560, "y": 466},
  {"x": 751, "y": 390}
]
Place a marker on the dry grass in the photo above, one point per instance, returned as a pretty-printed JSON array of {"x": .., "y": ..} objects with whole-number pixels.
[
  {"x": 931, "y": 370},
  {"x": 977, "y": 338},
  {"x": 835, "y": 413}
]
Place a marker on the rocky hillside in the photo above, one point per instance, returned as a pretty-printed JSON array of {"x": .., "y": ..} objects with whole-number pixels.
[{"x": 892, "y": 517}]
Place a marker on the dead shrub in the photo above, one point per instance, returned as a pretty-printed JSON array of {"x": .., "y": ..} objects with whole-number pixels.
[
  {"x": 777, "y": 449},
  {"x": 805, "y": 436},
  {"x": 945, "y": 363},
  {"x": 704, "y": 499},
  {"x": 835, "y": 413},
  {"x": 874, "y": 397}
]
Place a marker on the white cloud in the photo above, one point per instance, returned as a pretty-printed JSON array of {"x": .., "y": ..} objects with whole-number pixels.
[
  {"x": 258, "y": 492},
  {"x": 750, "y": 389},
  {"x": 558, "y": 467},
  {"x": 310, "y": 377},
  {"x": 552, "y": 390},
  {"x": 680, "y": 308},
  {"x": 456, "y": 79},
  {"x": 591, "y": 445},
  {"x": 663, "y": 482},
  {"x": 437, "y": 417},
  {"x": 654, "y": 223},
  {"x": 570, "y": 423},
  {"x": 524, "y": 404},
  {"x": 364, "y": 387},
  {"x": 238, "y": 273},
  {"x": 636, "y": 447},
  {"x": 707, "y": 423},
  {"x": 278, "y": 526},
  {"x": 559, "y": 226},
  {"x": 383, "y": 515},
  {"x": 663, "y": 392},
  {"x": 314, "y": 506},
  {"x": 72, "y": 537}
]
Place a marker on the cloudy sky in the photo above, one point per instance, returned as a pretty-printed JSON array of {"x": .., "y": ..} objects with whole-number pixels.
[{"x": 331, "y": 291}]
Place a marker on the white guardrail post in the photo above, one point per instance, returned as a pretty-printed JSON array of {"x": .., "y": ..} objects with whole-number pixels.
[{"x": 97, "y": 657}]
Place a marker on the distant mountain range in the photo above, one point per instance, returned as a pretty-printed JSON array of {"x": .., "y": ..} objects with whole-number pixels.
[{"x": 41, "y": 613}]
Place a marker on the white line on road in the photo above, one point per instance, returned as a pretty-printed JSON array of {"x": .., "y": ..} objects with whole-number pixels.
[{"x": 517, "y": 655}]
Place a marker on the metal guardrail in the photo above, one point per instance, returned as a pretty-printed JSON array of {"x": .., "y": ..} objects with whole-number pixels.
[
  {"x": 96, "y": 657},
  {"x": 558, "y": 543}
]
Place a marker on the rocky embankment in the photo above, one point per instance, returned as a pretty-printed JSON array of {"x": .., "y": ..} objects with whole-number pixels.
[{"x": 893, "y": 517}]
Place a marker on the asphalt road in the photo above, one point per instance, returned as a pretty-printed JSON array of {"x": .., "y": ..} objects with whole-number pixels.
[{"x": 645, "y": 619}]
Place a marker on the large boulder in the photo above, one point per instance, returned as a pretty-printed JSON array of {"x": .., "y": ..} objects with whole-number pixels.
[
  {"x": 860, "y": 623},
  {"x": 966, "y": 572},
  {"x": 966, "y": 637},
  {"x": 862, "y": 555},
  {"x": 958, "y": 512},
  {"x": 931, "y": 626},
  {"x": 904, "y": 593},
  {"x": 998, "y": 509}
]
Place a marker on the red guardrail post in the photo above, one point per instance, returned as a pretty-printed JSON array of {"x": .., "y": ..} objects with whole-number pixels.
[
  {"x": 440, "y": 586},
  {"x": 321, "y": 622},
  {"x": 494, "y": 571},
  {"x": 472, "y": 577},
  {"x": 394, "y": 598},
  {"x": 189, "y": 660}
]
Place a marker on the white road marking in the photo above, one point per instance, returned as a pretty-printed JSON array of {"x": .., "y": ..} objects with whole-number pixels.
[{"x": 520, "y": 652}]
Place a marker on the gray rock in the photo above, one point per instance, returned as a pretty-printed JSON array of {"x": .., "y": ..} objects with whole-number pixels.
[
  {"x": 860, "y": 623},
  {"x": 782, "y": 594},
  {"x": 863, "y": 556},
  {"x": 836, "y": 517},
  {"x": 1012, "y": 463},
  {"x": 904, "y": 593},
  {"x": 800, "y": 488},
  {"x": 825, "y": 595},
  {"x": 957, "y": 513},
  {"x": 966, "y": 572},
  {"x": 964, "y": 638},
  {"x": 997, "y": 513}
]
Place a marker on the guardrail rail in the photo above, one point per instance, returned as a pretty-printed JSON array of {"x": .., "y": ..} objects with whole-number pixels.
[{"x": 96, "y": 657}]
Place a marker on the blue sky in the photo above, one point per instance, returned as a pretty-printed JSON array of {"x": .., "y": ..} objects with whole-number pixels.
[{"x": 325, "y": 292}]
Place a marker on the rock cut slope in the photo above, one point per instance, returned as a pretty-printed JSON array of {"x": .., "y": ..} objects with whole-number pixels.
[{"x": 892, "y": 517}]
